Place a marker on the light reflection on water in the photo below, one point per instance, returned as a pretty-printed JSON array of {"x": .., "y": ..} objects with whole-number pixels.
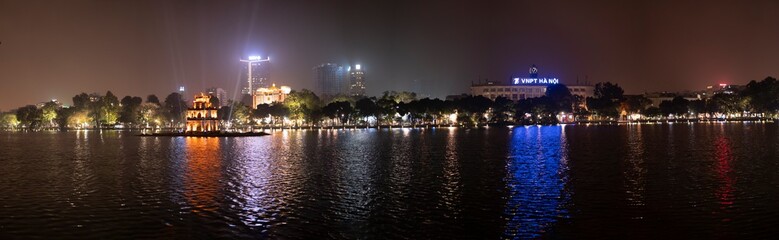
[
  {"x": 634, "y": 181},
  {"x": 537, "y": 169},
  {"x": 635, "y": 171},
  {"x": 201, "y": 185}
]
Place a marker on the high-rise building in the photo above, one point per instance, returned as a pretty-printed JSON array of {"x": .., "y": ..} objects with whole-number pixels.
[
  {"x": 219, "y": 93},
  {"x": 356, "y": 81},
  {"x": 255, "y": 74},
  {"x": 330, "y": 80}
]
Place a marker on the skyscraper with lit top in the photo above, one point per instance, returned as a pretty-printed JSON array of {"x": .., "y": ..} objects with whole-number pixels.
[
  {"x": 356, "y": 81},
  {"x": 255, "y": 73}
]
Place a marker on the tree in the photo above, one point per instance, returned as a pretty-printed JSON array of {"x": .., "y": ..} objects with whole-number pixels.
[
  {"x": 387, "y": 109},
  {"x": 276, "y": 111},
  {"x": 762, "y": 96},
  {"x": 540, "y": 110},
  {"x": 561, "y": 98},
  {"x": 338, "y": 110},
  {"x": 367, "y": 107},
  {"x": 262, "y": 111},
  {"x": 175, "y": 107},
  {"x": 653, "y": 112},
  {"x": 503, "y": 108},
  {"x": 8, "y": 120},
  {"x": 149, "y": 114},
  {"x": 677, "y": 106},
  {"x": 610, "y": 91},
  {"x": 314, "y": 116},
  {"x": 62, "y": 117},
  {"x": 130, "y": 110},
  {"x": 153, "y": 99},
  {"x": 473, "y": 108},
  {"x": 399, "y": 97},
  {"x": 29, "y": 116},
  {"x": 343, "y": 98},
  {"x": 81, "y": 101},
  {"x": 108, "y": 109},
  {"x": 214, "y": 101},
  {"x": 697, "y": 106},
  {"x": 79, "y": 118},
  {"x": 235, "y": 113},
  {"x": 727, "y": 104},
  {"x": 635, "y": 104},
  {"x": 300, "y": 104},
  {"x": 606, "y": 102},
  {"x": 279, "y": 111},
  {"x": 49, "y": 113}
]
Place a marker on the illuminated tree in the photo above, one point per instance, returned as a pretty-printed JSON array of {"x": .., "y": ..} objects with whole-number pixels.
[
  {"x": 8, "y": 120},
  {"x": 149, "y": 114},
  {"x": 79, "y": 118},
  {"x": 49, "y": 113},
  {"x": 109, "y": 108},
  {"x": 300, "y": 104}
]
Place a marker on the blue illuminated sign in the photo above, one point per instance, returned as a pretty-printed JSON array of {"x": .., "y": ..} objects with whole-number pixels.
[{"x": 518, "y": 81}]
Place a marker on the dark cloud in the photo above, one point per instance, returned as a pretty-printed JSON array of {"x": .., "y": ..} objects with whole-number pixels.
[{"x": 55, "y": 49}]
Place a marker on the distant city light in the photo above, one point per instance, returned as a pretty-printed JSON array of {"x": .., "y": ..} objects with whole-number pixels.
[{"x": 357, "y": 66}]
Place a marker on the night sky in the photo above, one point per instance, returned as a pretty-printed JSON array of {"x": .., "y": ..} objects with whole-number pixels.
[{"x": 56, "y": 49}]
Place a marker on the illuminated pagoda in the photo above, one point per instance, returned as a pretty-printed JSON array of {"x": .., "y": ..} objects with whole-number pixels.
[{"x": 202, "y": 116}]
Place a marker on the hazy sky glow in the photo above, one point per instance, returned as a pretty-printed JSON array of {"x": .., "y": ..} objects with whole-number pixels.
[{"x": 56, "y": 49}]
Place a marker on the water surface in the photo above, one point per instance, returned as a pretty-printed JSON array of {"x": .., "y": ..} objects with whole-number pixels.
[{"x": 627, "y": 181}]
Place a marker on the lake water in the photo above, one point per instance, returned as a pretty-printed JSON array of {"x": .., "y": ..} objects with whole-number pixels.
[{"x": 718, "y": 180}]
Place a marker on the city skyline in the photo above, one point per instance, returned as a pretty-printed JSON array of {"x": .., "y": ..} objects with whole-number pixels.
[{"x": 144, "y": 47}]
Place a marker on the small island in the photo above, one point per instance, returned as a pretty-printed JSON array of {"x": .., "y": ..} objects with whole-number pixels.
[
  {"x": 204, "y": 134},
  {"x": 203, "y": 121}
]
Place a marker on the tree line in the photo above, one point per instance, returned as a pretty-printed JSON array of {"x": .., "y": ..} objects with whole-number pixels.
[{"x": 305, "y": 109}]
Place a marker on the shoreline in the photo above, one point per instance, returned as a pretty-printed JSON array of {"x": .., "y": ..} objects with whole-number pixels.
[{"x": 259, "y": 131}]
